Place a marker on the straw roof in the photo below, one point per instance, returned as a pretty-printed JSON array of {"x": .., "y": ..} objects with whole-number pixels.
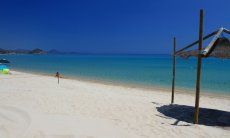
[{"x": 219, "y": 47}]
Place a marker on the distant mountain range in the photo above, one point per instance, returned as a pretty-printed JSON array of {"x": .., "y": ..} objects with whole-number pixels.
[
  {"x": 22, "y": 51},
  {"x": 34, "y": 51}
]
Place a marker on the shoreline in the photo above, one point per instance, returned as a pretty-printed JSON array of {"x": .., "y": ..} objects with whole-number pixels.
[
  {"x": 134, "y": 86},
  {"x": 35, "y": 105}
]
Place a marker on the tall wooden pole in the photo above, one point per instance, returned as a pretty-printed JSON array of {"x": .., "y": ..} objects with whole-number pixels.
[
  {"x": 199, "y": 62},
  {"x": 174, "y": 69}
]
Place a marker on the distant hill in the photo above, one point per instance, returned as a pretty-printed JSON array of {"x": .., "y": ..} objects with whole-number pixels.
[
  {"x": 37, "y": 51},
  {"x": 34, "y": 51},
  {"x": 3, "y": 51},
  {"x": 22, "y": 51}
]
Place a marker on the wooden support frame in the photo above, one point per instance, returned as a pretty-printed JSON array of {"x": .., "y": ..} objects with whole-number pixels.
[
  {"x": 201, "y": 54},
  {"x": 208, "y": 50},
  {"x": 199, "y": 64},
  {"x": 204, "y": 38},
  {"x": 227, "y": 31},
  {"x": 196, "y": 42},
  {"x": 174, "y": 69}
]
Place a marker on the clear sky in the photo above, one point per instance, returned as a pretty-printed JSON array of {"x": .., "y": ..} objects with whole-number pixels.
[{"x": 107, "y": 26}]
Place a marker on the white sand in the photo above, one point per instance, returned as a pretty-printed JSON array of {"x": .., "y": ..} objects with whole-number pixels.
[{"x": 34, "y": 106}]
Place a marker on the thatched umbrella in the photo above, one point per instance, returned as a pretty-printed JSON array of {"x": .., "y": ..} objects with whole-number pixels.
[{"x": 219, "y": 47}]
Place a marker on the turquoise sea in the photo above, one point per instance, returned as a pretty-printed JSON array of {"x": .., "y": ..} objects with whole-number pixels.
[{"x": 136, "y": 70}]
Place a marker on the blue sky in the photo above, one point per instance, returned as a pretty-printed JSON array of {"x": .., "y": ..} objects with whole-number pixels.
[{"x": 107, "y": 26}]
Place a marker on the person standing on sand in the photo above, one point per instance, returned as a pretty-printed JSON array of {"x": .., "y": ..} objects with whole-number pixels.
[{"x": 58, "y": 76}]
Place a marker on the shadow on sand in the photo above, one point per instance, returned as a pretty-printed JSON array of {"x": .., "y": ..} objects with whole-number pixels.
[{"x": 208, "y": 117}]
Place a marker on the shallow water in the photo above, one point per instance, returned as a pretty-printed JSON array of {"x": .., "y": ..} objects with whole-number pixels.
[{"x": 142, "y": 70}]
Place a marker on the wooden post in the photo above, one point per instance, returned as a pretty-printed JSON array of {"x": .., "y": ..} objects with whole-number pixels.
[
  {"x": 199, "y": 62},
  {"x": 174, "y": 69}
]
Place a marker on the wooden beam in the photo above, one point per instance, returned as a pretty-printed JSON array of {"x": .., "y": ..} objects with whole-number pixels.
[
  {"x": 204, "y": 38},
  {"x": 174, "y": 69},
  {"x": 199, "y": 62},
  {"x": 226, "y": 31},
  {"x": 209, "y": 48},
  {"x": 196, "y": 42}
]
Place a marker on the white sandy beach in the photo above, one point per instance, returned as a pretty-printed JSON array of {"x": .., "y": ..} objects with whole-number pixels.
[{"x": 35, "y": 106}]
